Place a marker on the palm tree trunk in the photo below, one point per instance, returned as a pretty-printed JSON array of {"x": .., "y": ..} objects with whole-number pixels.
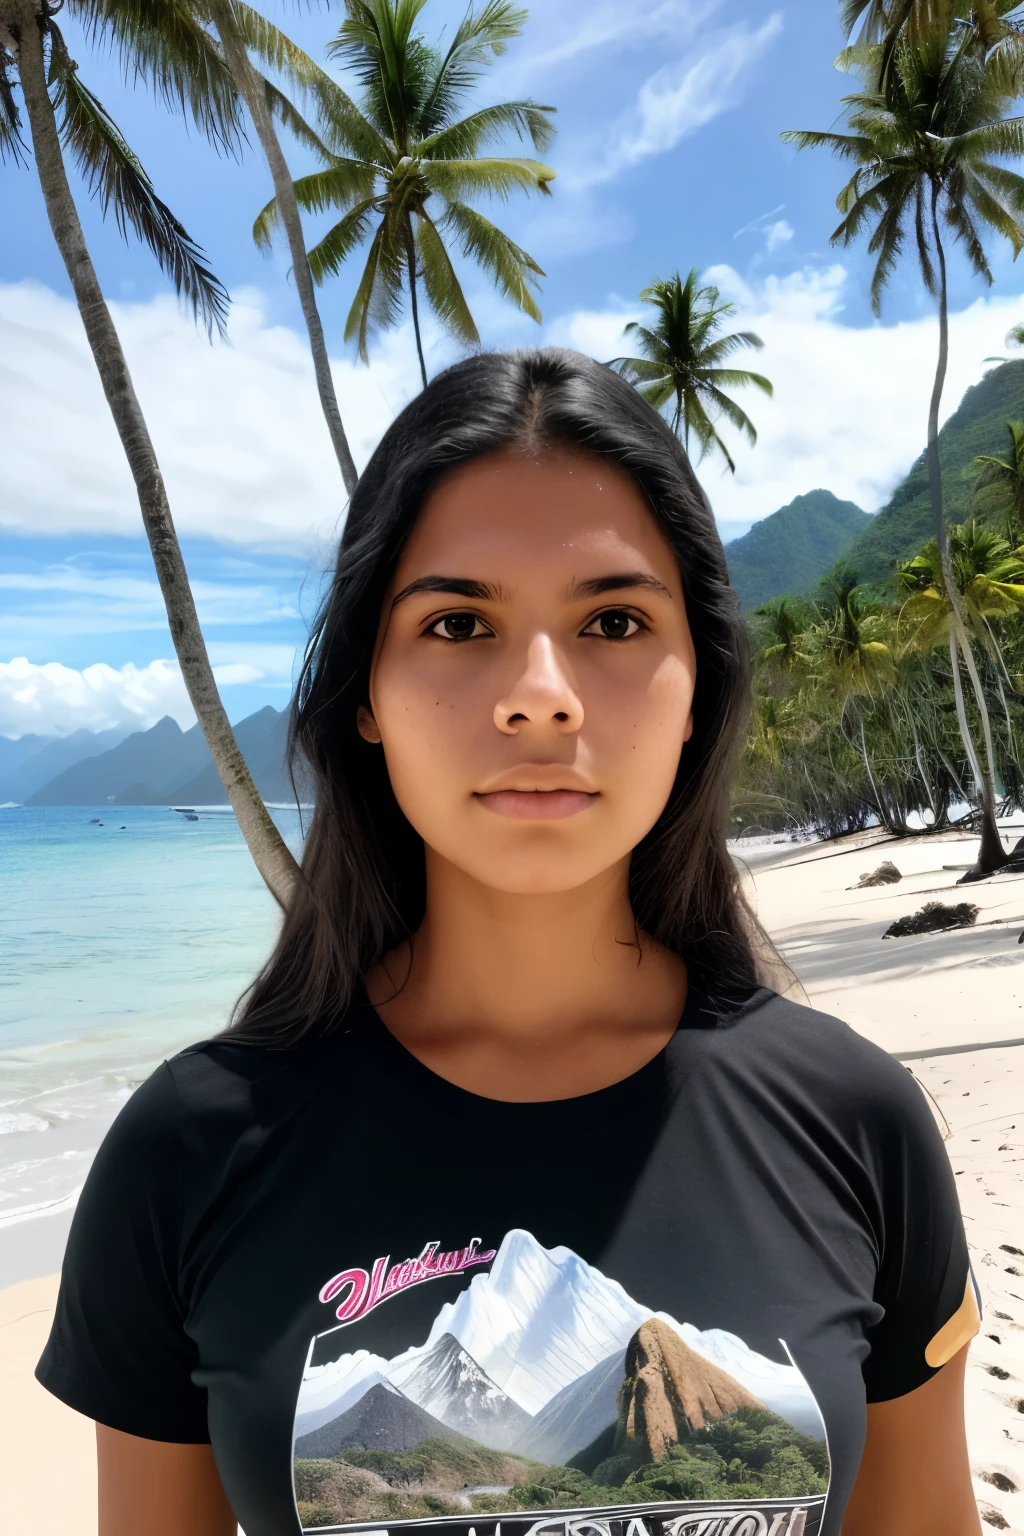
[
  {"x": 991, "y": 853},
  {"x": 250, "y": 88},
  {"x": 961, "y": 713},
  {"x": 271, "y": 855},
  {"x": 410, "y": 252}
]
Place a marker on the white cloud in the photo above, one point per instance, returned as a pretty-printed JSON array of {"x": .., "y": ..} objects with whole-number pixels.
[
  {"x": 52, "y": 699},
  {"x": 563, "y": 33},
  {"x": 56, "y": 699},
  {"x": 676, "y": 100},
  {"x": 237, "y": 427},
  {"x": 777, "y": 234}
]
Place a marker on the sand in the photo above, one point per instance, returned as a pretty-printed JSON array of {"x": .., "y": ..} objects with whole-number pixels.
[{"x": 934, "y": 1000}]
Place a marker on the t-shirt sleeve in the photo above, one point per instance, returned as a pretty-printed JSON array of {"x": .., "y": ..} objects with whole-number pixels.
[
  {"x": 924, "y": 1280},
  {"x": 118, "y": 1351}
]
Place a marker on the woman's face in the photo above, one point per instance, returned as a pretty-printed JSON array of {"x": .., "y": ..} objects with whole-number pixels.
[{"x": 533, "y": 675}]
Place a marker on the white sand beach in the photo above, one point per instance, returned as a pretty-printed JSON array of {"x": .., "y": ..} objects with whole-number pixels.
[{"x": 951, "y": 1005}]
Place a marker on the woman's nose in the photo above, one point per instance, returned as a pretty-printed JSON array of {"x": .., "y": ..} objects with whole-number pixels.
[{"x": 543, "y": 694}]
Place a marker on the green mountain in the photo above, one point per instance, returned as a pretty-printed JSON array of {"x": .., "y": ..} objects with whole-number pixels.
[
  {"x": 978, "y": 425},
  {"x": 792, "y": 549}
]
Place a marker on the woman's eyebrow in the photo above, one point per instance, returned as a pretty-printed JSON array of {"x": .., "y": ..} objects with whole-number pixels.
[
  {"x": 458, "y": 586},
  {"x": 598, "y": 585}
]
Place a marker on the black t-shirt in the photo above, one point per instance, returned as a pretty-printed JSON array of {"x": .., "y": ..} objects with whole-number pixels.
[{"x": 654, "y": 1310}]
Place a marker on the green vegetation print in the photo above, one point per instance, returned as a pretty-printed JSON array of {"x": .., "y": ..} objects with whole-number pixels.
[{"x": 545, "y": 1401}]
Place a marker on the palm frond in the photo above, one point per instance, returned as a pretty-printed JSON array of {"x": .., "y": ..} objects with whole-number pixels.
[
  {"x": 992, "y": 212},
  {"x": 167, "y": 44},
  {"x": 480, "y": 37},
  {"x": 12, "y": 145},
  {"x": 733, "y": 413},
  {"x": 511, "y": 268},
  {"x": 392, "y": 64},
  {"x": 443, "y": 289},
  {"x": 496, "y": 177},
  {"x": 378, "y": 298},
  {"x": 341, "y": 124},
  {"x": 289, "y": 117},
  {"x": 116, "y": 178},
  {"x": 457, "y": 141},
  {"x": 327, "y": 258},
  {"x": 845, "y": 146},
  {"x": 343, "y": 184},
  {"x": 640, "y": 370},
  {"x": 738, "y": 378}
]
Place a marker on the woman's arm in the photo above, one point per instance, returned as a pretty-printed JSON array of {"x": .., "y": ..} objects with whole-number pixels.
[
  {"x": 915, "y": 1479},
  {"x": 152, "y": 1488}
]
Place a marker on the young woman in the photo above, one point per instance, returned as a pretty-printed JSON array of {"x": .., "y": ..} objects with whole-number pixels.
[{"x": 514, "y": 1203}]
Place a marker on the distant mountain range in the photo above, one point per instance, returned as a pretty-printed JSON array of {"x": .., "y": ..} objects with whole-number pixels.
[
  {"x": 164, "y": 765},
  {"x": 790, "y": 551},
  {"x": 29, "y": 762}
]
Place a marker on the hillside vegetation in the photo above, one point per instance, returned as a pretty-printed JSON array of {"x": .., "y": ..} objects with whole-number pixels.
[
  {"x": 792, "y": 549},
  {"x": 978, "y": 425}
]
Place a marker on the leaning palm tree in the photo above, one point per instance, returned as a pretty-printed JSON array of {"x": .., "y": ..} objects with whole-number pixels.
[
  {"x": 198, "y": 55},
  {"x": 928, "y": 142},
  {"x": 684, "y": 358},
  {"x": 999, "y": 485},
  {"x": 62, "y": 114},
  {"x": 402, "y": 163}
]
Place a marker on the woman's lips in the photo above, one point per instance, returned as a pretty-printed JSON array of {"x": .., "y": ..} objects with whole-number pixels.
[{"x": 537, "y": 804}]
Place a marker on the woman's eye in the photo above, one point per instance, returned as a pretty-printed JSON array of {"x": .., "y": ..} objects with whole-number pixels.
[
  {"x": 613, "y": 625},
  {"x": 459, "y": 626}
]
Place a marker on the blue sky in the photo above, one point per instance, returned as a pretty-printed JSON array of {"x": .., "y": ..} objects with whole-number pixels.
[{"x": 668, "y": 156}]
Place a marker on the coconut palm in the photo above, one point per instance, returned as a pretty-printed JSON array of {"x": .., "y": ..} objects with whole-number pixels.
[
  {"x": 989, "y": 578},
  {"x": 63, "y": 114},
  {"x": 849, "y": 649},
  {"x": 928, "y": 142},
  {"x": 402, "y": 164},
  {"x": 683, "y": 361},
  {"x": 999, "y": 485},
  {"x": 782, "y": 637},
  {"x": 198, "y": 56}
]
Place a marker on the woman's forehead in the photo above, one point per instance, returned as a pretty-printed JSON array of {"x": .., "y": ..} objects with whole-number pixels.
[{"x": 526, "y": 513}]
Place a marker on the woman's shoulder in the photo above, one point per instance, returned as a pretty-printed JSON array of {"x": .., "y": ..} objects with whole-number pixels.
[
  {"x": 797, "y": 1051},
  {"x": 214, "y": 1089}
]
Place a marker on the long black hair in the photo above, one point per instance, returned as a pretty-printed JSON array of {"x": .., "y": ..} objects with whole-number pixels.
[{"x": 362, "y": 890}]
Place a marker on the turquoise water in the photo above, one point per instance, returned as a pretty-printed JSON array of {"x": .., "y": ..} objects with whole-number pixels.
[{"x": 123, "y": 939}]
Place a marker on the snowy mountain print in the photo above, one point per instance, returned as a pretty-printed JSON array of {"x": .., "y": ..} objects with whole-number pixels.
[{"x": 544, "y": 1386}]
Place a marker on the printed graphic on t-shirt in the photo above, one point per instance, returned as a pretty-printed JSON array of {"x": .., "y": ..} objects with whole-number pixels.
[{"x": 545, "y": 1401}]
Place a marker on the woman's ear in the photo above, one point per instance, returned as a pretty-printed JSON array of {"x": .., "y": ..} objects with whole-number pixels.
[{"x": 367, "y": 726}]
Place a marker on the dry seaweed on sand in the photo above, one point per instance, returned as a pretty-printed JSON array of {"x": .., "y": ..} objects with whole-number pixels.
[
  {"x": 885, "y": 874},
  {"x": 934, "y": 917}
]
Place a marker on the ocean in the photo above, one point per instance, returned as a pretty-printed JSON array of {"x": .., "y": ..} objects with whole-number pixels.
[{"x": 127, "y": 933}]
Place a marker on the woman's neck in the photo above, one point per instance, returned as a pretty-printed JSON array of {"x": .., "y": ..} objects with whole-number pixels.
[{"x": 529, "y": 997}]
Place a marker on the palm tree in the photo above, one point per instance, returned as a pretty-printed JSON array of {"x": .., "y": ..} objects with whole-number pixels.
[
  {"x": 999, "y": 485},
  {"x": 927, "y": 141},
  {"x": 683, "y": 358},
  {"x": 62, "y": 112},
  {"x": 401, "y": 165},
  {"x": 848, "y": 649},
  {"x": 782, "y": 638},
  {"x": 197, "y": 53},
  {"x": 989, "y": 578}
]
